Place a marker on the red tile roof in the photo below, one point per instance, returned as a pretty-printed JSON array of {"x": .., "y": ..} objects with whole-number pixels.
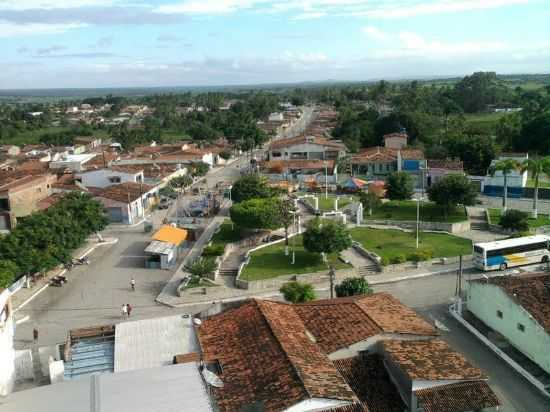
[
  {"x": 386, "y": 154},
  {"x": 339, "y": 323},
  {"x": 531, "y": 291},
  {"x": 267, "y": 358},
  {"x": 446, "y": 164},
  {"x": 457, "y": 397},
  {"x": 367, "y": 376},
  {"x": 430, "y": 360},
  {"x": 278, "y": 144},
  {"x": 125, "y": 192},
  {"x": 298, "y": 164}
]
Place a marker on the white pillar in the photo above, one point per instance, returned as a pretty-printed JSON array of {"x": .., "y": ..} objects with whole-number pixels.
[
  {"x": 359, "y": 216},
  {"x": 336, "y": 203},
  {"x": 316, "y": 203}
]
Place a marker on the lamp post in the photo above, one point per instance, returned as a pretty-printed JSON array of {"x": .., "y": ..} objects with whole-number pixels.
[
  {"x": 326, "y": 179},
  {"x": 417, "y": 220}
]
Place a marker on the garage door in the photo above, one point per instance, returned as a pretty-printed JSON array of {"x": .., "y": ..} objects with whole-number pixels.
[{"x": 114, "y": 214}]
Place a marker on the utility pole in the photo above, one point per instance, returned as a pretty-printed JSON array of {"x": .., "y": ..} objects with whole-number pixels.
[{"x": 332, "y": 276}]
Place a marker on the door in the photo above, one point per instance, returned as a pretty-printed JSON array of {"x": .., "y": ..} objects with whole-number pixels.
[{"x": 114, "y": 214}]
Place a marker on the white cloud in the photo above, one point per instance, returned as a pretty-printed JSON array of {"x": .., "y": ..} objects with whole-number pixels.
[
  {"x": 206, "y": 6},
  {"x": 14, "y": 30},
  {"x": 310, "y": 15},
  {"x": 51, "y": 4},
  {"x": 374, "y": 32}
]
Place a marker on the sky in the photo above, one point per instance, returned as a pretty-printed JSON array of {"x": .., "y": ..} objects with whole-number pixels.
[{"x": 150, "y": 43}]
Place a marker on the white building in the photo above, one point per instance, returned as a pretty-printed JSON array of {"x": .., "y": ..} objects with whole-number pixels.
[
  {"x": 276, "y": 117},
  {"x": 7, "y": 350},
  {"x": 515, "y": 178},
  {"x": 107, "y": 177},
  {"x": 76, "y": 163}
]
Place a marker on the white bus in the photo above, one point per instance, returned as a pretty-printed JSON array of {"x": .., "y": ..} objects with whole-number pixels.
[{"x": 504, "y": 254}]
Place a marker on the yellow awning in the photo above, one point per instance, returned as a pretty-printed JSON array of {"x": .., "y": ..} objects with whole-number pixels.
[{"x": 171, "y": 235}]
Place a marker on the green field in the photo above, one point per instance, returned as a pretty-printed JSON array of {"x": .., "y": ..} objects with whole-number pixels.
[
  {"x": 485, "y": 122},
  {"x": 327, "y": 204},
  {"x": 406, "y": 210},
  {"x": 271, "y": 261},
  {"x": 541, "y": 220},
  {"x": 228, "y": 233},
  {"x": 388, "y": 243}
]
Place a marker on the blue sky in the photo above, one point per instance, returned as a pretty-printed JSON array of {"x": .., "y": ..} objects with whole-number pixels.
[{"x": 119, "y": 43}]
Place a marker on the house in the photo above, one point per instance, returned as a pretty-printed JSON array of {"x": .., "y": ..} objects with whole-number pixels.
[
  {"x": 76, "y": 163},
  {"x": 493, "y": 185},
  {"x": 276, "y": 117},
  {"x": 300, "y": 170},
  {"x": 109, "y": 176},
  {"x": 20, "y": 194},
  {"x": 396, "y": 140},
  {"x": 127, "y": 202},
  {"x": 346, "y": 354},
  {"x": 437, "y": 169},
  {"x": 165, "y": 248},
  {"x": 90, "y": 142},
  {"x": 378, "y": 162},
  {"x": 154, "y": 174},
  {"x": 7, "y": 350},
  {"x": 306, "y": 148},
  {"x": 518, "y": 308},
  {"x": 10, "y": 150}
]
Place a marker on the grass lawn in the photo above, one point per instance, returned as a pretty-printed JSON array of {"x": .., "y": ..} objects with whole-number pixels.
[
  {"x": 406, "y": 210},
  {"x": 226, "y": 234},
  {"x": 388, "y": 243},
  {"x": 197, "y": 282},
  {"x": 271, "y": 262},
  {"x": 327, "y": 205},
  {"x": 541, "y": 220}
]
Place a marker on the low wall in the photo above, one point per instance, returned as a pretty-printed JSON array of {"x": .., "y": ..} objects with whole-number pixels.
[
  {"x": 457, "y": 227},
  {"x": 403, "y": 267},
  {"x": 368, "y": 254},
  {"x": 277, "y": 282}
]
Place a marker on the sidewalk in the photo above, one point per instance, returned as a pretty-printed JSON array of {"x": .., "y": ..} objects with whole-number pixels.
[
  {"x": 219, "y": 294},
  {"x": 23, "y": 296}
]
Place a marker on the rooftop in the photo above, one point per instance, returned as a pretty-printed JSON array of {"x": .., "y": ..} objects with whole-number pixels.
[
  {"x": 278, "y": 144},
  {"x": 125, "y": 192},
  {"x": 170, "y": 234},
  {"x": 531, "y": 291},
  {"x": 446, "y": 164},
  {"x": 387, "y": 154},
  {"x": 430, "y": 360},
  {"x": 298, "y": 164},
  {"x": 457, "y": 397}
]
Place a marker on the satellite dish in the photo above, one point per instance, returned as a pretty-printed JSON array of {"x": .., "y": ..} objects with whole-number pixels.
[{"x": 212, "y": 379}]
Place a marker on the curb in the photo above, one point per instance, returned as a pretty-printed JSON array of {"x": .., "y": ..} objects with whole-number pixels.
[{"x": 44, "y": 287}]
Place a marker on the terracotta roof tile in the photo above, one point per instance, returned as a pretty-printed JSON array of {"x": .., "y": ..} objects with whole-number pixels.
[
  {"x": 278, "y": 144},
  {"x": 531, "y": 291},
  {"x": 457, "y": 397},
  {"x": 298, "y": 164},
  {"x": 125, "y": 192},
  {"x": 386, "y": 154},
  {"x": 267, "y": 358},
  {"x": 370, "y": 381},
  {"x": 446, "y": 164},
  {"x": 430, "y": 360}
]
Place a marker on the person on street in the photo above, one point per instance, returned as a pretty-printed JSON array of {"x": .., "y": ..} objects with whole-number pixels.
[
  {"x": 35, "y": 335},
  {"x": 129, "y": 309},
  {"x": 133, "y": 284},
  {"x": 124, "y": 310}
]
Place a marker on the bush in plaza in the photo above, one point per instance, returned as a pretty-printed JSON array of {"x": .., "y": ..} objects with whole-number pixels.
[
  {"x": 353, "y": 287},
  {"x": 213, "y": 250},
  {"x": 397, "y": 259},
  {"x": 399, "y": 186},
  {"x": 298, "y": 292},
  {"x": 421, "y": 255},
  {"x": 515, "y": 220},
  {"x": 256, "y": 214}
]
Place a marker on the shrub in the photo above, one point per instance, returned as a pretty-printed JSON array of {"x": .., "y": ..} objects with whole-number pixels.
[
  {"x": 394, "y": 260},
  {"x": 515, "y": 220},
  {"x": 421, "y": 255},
  {"x": 213, "y": 250},
  {"x": 385, "y": 261},
  {"x": 298, "y": 292},
  {"x": 353, "y": 287}
]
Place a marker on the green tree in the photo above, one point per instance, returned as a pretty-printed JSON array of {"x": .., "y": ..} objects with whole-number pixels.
[
  {"x": 353, "y": 287},
  {"x": 226, "y": 155},
  {"x": 451, "y": 191},
  {"x": 256, "y": 214},
  {"x": 477, "y": 152},
  {"x": 201, "y": 267},
  {"x": 515, "y": 220},
  {"x": 506, "y": 167},
  {"x": 325, "y": 238},
  {"x": 286, "y": 215},
  {"x": 199, "y": 169},
  {"x": 399, "y": 186},
  {"x": 181, "y": 182},
  {"x": 370, "y": 201},
  {"x": 8, "y": 272},
  {"x": 298, "y": 292},
  {"x": 537, "y": 168},
  {"x": 250, "y": 187}
]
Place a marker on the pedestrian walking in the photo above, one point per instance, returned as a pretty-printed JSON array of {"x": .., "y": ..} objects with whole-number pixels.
[
  {"x": 35, "y": 335},
  {"x": 133, "y": 284},
  {"x": 129, "y": 309},
  {"x": 124, "y": 310}
]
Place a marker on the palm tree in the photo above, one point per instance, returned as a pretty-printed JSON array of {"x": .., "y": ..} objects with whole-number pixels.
[
  {"x": 505, "y": 167},
  {"x": 537, "y": 168}
]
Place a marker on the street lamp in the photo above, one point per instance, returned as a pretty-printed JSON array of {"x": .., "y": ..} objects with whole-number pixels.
[
  {"x": 326, "y": 179},
  {"x": 417, "y": 219}
]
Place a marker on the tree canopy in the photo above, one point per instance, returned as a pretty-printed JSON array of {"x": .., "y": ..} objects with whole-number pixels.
[
  {"x": 250, "y": 187},
  {"x": 452, "y": 190},
  {"x": 326, "y": 237},
  {"x": 257, "y": 214},
  {"x": 399, "y": 186}
]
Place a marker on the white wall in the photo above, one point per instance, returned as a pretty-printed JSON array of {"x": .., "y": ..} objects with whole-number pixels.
[
  {"x": 7, "y": 354},
  {"x": 100, "y": 178},
  {"x": 316, "y": 404}
]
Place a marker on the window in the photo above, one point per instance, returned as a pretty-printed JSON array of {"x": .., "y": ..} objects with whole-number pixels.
[
  {"x": 276, "y": 154},
  {"x": 499, "y": 314},
  {"x": 521, "y": 328},
  {"x": 114, "y": 179}
]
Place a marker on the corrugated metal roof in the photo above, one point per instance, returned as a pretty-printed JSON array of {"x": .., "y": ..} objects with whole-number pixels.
[
  {"x": 174, "y": 388},
  {"x": 153, "y": 342},
  {"x": 159, "y": 248}
]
